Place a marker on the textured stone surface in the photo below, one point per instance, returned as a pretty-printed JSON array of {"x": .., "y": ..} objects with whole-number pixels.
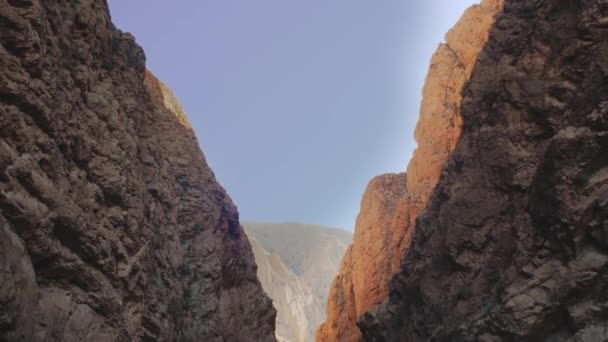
[
  {"x": 439, "y": 124},
  {"x": 512, "y": 243},
  {"x": 437, "y": 133},
  {"x": 367, "y": 265},
  {"x": 299, "y": 311},
  {"x": 112, "y": 226},
  {"x": 341, "y": 311}
]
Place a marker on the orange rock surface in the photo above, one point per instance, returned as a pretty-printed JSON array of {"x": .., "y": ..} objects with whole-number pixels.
[
  {"x": 439, "y": 124},
  {"x": 372, "y": 239},
  {"x": 392, "y": 203}
]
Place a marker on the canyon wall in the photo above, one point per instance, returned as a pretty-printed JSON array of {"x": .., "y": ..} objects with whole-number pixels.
[
  {"x": 112, "y": 226},
  {"x": 383, "y": 234},
  {"x": 365, "y": 269},
  {"x": 512, "y": 244}
]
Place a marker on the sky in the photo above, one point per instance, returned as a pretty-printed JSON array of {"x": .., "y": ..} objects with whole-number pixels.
[{"x": 296, "y": 104}]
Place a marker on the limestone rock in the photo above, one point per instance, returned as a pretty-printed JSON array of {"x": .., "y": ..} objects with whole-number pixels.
[{"x": 112, "y": 226}]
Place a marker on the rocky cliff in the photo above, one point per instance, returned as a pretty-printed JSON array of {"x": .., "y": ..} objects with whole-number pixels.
[
  {"x": 112, "y": 226},
  {"x": 384, "y": 232},
  {"x": 299, "y": 312},
  {"x": 365, "y": 269},
  {"x": 512, "y": 244}
]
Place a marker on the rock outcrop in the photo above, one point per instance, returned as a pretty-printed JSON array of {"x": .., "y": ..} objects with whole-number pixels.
[
  {"x": 299, "y": 312},
  {"x": 437, "y": 133},
  {"x": 512, "y": 244},
  {"x": 112, "y": 226},
  {"x": 296, "y": 263},
  {"x": 440, "y": 121}
]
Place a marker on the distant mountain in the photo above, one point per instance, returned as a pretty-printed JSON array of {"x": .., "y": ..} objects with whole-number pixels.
[
  {"x": 311, "y": 251},
  {"x": 300, "y": 311},
  {"x": 296, "y": 264}
]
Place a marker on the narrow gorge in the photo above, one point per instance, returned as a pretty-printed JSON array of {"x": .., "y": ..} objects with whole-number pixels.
[{"x": 113, "y": 227}]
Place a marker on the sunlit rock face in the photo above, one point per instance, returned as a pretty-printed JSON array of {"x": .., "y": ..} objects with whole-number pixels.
[
  {"x": 296, "y": 263},
  {"x": 437, "y": 133},
  {"x": 511, "y": 244},
  {"x": 440, "y": 121},
  {"x": 366, "y": 267},
  {"x": 112, "y": 226}
]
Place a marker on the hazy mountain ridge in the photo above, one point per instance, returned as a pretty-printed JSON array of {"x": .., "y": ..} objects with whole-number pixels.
[
  {"x": 296, "y": 263},
  {"x": 294, "y": 243},
  {"x": 298, "y": 310}
]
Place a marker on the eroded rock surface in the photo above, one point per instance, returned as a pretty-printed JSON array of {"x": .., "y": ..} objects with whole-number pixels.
[
  {"x": 437, "y": 133},
  {"x": 512, "y": 243},
  {"x": 112, "y": 226}
]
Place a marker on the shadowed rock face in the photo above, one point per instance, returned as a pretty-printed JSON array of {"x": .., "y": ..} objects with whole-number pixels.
[
  {"x": 512, "y": 243},
  {"x": 112, "y": 226},
  {"x": 381, "y": 239}
]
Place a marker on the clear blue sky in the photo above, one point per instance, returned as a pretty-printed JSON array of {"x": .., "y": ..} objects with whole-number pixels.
[{"x": 296, "y": 104}]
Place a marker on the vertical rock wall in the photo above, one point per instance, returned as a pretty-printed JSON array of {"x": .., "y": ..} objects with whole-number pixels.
[
  {"x": 512, "y": 243},
  {"x": 112, "y": 226},
  {"x": 365, "y": 268},
  {"x": 437, "y": 133}
]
